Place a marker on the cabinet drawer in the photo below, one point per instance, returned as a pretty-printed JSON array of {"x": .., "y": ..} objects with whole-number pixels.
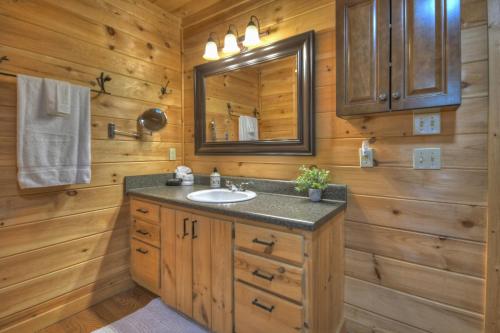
[
  {"x": 145, "y": 265},
  {"x": 280, "y": 278},
  {"x": 145, "y": 211},
  {"x": 258, "y": 311},
  {"x": 278, "y": 244},
  {"x": 146, "y": 232}
]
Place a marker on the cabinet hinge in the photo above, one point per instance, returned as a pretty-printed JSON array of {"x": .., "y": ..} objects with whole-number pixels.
[
  {"x": 390, "y": 64},
  {"x": 234, "y": 233},
  {"x": 390, "y": 25}
]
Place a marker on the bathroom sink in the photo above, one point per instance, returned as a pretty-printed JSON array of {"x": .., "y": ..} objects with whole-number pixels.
[{"x": 221, "y": 196}]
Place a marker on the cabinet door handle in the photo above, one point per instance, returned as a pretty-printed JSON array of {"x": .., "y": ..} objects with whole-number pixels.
[
  {"x": 193, "y": 235},
  {"x": 261, "y": 242},
  {"x": 141, "y": 250},
  {"x": 184, "y": 227},
  {"x": 142, "y": 232},
  {"x": 265, "y": 276},
  {"x": 142, "y": 210},
  {"x": 396, "y": 95},
  {"x": 382, "y": 97},
  {"x": 262, "y": 306}
]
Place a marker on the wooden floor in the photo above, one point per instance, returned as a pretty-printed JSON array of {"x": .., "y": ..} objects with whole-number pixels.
[{"x": 103, "y": 313}]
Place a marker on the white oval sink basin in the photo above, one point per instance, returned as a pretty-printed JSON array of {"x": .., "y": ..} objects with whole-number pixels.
[{"x": 219, "y": 195}]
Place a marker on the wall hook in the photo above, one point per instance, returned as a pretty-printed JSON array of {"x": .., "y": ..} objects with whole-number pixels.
[
  {"x": 4, "y": 58},
  {"x": 164, "y": 89},
  {"x": 101, "y": 81}
]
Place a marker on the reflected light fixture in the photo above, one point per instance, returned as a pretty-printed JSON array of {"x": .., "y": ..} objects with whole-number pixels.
[
  {"x": 231, "y": 41},
  {"x": 252, "y": 32},
  {"x": 211, "y": 49}
]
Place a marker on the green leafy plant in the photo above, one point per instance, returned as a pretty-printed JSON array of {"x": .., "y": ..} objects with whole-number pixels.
[{"x": 312, "y": 178}]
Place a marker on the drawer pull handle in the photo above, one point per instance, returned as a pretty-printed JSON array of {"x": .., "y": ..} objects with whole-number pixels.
[
  {"x": 265, "y": 276},
  {"x": 142, "y": 232},
  {"x": 142, "y": 210},
  {"x": 261, "y": 242},
  {"x": 184, "y": 227},
  {"x": 141, "y": 250},
  {"x": 262, "y": 306},
  {"x": 193, "y": 235}
]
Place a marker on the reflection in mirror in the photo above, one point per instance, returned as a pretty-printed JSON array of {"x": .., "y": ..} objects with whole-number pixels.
[{"x": 253, "y": 103}]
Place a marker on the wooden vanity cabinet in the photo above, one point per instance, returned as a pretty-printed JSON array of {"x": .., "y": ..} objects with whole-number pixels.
[
  {"x": 232, "y": 275},
  {"x": 397, "y": 55}
]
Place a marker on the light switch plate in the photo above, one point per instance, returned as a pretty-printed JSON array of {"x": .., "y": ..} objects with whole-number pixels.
[
  {"x": 366, "y": 161},
  {"x": 172, "y": 154},
  {"x": 427, "y": 158},
  {"x": 426, "y": 123}
]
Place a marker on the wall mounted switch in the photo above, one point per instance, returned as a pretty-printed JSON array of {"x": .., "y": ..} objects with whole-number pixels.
[
  {"x": 426, "y": 123},
  {"x": 427, "y": 158},
  {"x": 366, "y": 155},
  {"x": 172, "y": 154}
]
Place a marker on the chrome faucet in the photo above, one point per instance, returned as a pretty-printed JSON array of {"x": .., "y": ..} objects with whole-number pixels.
[{"x": 233, "y": 187}]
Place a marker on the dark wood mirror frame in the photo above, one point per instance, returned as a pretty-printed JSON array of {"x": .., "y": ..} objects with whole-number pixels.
[{"x": 301, "y": 46}]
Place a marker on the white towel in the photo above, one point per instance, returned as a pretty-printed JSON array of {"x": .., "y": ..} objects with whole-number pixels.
[
  {"x": 57, "y": 96},
  {"x": 248, "y": 128},
  {"x": 51, "y": 150}
]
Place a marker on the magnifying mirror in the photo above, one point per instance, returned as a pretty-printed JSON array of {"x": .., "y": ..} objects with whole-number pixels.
[{"x": 152, "y": 120}]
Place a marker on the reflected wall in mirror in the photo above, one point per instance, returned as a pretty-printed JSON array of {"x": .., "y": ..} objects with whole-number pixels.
[
  {"x": 258, "y": 102},
  {"x": 253, "y": 103}
]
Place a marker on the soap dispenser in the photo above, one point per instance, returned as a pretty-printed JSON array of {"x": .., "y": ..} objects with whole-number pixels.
[{"x": 215, "y": 179}]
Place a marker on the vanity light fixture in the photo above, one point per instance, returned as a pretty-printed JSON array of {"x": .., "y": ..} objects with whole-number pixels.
[
  {"x": 211, "y": 49},
  {"x": 231, "y": 41},
  {"x": 252, "y": 32}
]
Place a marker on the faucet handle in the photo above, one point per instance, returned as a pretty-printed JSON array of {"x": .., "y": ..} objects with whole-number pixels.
[{"x": 244, "y": 186}]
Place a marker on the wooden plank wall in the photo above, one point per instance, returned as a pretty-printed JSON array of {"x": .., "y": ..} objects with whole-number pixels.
[
  {"x": 415, "y": 239},
  {"x": 492, "y": 312},
  {"x": 278, "y": 90},
  {"x": 65, "y": 248},
  {"x": 239, "y": 89}
]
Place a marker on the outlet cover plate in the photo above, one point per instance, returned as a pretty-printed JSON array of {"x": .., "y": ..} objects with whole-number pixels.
[
  {"x": 426, "y": 123},
  {"x": 172, "y": 154},
  {"x": 427, "y": 158}
]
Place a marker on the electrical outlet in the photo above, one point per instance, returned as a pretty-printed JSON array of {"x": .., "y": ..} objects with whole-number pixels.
[
  {"x": 426, "y": 123},
  {"x": 172, "y": 154},
  {"x": 427, "y": 158},
  {"x": 366, "y": 159}
]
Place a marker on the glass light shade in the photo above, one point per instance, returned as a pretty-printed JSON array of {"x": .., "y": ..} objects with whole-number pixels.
[
  {"x": 211, "y": 52},
  {"x": 252, "y": 37},
  {"x": 230, "y": 44}
]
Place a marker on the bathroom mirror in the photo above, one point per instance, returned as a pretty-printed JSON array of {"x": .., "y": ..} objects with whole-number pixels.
[
  {"x": 152, "y": 120},
  {"x": 260, "y": 102}
]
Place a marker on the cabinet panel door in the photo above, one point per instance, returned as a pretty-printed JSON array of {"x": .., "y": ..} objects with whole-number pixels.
[
  {"x": 222, "y": 276},
  {"x": 168, "y": 251},
  {"x": 425, "y": 53},
  {"x": 202, "y": 297},
  {"x": 184, "y": 263},
  {"x": 363, "y": 56}
]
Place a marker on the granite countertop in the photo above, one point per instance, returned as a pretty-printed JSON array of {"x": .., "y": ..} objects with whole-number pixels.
[{"x": 278, "y": 209}]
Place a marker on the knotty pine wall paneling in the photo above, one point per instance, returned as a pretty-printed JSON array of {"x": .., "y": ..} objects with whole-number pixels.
[
  {"x": 65, "y": 248},
  {"x": 415, "y": 239}
]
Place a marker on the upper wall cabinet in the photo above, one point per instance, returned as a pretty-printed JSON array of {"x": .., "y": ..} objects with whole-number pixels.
[{"x": 397, "y": 55}]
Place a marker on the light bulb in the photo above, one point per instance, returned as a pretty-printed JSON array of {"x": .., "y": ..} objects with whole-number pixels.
[
  {"x": 252, "y": 37},
  {"x": 230, "y": 44},
  {"x": 211, "y": 52}
]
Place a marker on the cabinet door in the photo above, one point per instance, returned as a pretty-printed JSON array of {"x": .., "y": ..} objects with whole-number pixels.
[
  {"x": 168, "y": 256},
  {"x": 202, "y": 297},
  {"x": 363, "y": 46},
  {"x": 222, "y": 276},
  {"x": 425, "y": 53},
  {"x": 184, "y": 263}
]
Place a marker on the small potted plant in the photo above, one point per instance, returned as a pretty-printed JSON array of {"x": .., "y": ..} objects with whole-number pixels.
[{"x": 313, "y": 180}]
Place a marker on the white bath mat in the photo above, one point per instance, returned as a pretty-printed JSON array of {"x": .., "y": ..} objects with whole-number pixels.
[{"x": 155, "y": 317}]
